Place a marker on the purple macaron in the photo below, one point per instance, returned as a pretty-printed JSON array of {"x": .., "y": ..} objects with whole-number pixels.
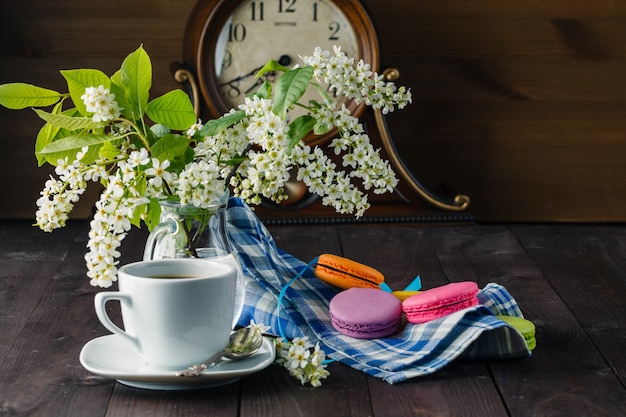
[{"x": 365, "y": 313}]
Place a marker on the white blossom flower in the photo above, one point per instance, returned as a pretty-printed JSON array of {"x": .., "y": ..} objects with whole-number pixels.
[
  {"x": 158, "y": 172},
  {"x": 259, "y": 326},
  {"x": 138, "y": 158},
  {"x": 194, "y": 128},
  {"x": 305, "y": 362},
  {"x": 100, "y": 102}
]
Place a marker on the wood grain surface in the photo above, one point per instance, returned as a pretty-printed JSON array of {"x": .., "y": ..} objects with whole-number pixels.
[{"x": 568, "y": 279}]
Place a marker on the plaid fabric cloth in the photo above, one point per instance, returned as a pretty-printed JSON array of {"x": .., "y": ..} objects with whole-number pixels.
[{"x": 415, "y": 351}]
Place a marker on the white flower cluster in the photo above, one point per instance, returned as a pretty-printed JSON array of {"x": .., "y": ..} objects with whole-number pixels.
[
  {"x": 199, "y": 184},
  {"x": 319, "y": 172},
  {"x": 266, "y": 169},
  {"x": 100, "y": 102},
  {"x": 107, "y": 230},
  {"x": 202, "y": 182},
  {"x": 303, "y": 360},
  {"x": 137, "y": 179},
  {"x": 358, "y": 82},
  {"x": 59, "y": 195},
  {"x": 268, "y": 166}
]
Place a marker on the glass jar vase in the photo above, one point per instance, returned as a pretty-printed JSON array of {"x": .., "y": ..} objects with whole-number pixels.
[{"x": 187, "y": 231}]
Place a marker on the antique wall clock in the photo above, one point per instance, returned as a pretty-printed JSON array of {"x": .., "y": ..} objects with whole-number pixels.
[{"x": 228, "y": 41}]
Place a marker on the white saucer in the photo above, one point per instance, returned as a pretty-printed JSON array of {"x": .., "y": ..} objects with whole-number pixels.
[{"x": 113, "y": 357}]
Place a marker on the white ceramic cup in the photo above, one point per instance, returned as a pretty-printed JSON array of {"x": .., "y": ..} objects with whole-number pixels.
[{"x": 176, "y": 312}]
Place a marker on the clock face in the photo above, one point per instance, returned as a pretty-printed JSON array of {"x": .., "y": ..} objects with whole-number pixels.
[{"x": 259, "y": 30}]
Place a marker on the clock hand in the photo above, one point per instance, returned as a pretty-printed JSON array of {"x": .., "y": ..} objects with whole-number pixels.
[
  {"x": 284, "y": 60},
  {"x": 235, "y": 81},
  {"x": 258, "y": 82}
]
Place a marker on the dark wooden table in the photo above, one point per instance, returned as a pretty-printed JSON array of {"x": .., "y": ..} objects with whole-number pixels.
[{"x": 569, "y": 280}]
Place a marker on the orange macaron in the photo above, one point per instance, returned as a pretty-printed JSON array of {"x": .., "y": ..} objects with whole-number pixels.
[{"x": 346, "y": 273}]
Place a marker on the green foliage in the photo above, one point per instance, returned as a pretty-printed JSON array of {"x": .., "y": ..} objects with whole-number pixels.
[
  {"x": 170, "y": 147},
  {"x": 67, "y": 147},
  {"x": 173, "y": 109},
  {"x": 131, "y": 84},
  {"x": 299, "y": 128},
  {"x": 143, "y": 152},
  {"x": 65, "y": 133},
  {"x": 108, "y": 150},
  {"x": 152, "y": 213},
  {"x": 159, "y": 130},
  {"x": 69, "y": 122},
  {"x": 265, "y": 90},
  {"x": 215, "y": 126},
  {"x": 148, "y": 124},
  {"x": 46, "y": 135},
  {"x": 290, "y": 87},
  {"x": 17, "y": 96}
]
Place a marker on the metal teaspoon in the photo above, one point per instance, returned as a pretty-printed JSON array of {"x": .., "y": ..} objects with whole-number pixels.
[{"x": 241, "y": 344}]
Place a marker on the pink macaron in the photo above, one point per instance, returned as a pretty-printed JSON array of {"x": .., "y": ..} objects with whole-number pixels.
[
  {"x": 439, "y": 302},
  {"x": 365, "y": 313}
]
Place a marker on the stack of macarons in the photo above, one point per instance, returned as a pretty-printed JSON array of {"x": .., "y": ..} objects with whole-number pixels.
[{"x": 364, "y": 311}]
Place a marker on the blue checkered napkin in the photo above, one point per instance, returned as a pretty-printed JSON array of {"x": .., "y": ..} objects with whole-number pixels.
[{"x": 415, "y": 351}]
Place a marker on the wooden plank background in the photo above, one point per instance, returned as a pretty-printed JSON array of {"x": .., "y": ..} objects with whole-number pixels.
[{"x": 519, "y": 104}]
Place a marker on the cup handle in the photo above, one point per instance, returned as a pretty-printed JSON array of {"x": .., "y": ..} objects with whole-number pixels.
[
  {"x": 100, "y": 301},
  {"x": 162, "y": 229}
]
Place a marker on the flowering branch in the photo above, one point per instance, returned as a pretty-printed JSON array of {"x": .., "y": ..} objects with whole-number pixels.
[{"x": 143, "y": 151}]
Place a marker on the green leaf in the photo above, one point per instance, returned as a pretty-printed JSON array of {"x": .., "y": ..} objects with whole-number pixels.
[
  {"x": 132, "y": 84},
  {"x": 170, "y": 147},
  {"x": 138, "y": 213},
  {"x": 299, "y": 128},
  {"x": 120, "y": 95},
  {"x": 44, "y": 137},
  {"x": 68, "y": 122},
  {"x": 47, "y": 134},
  {"x": 69, "y": 146},
  {"x": 320, "y": 129},
  {"x": 265, "y": 90},
  {"x": 271, "y": 66},
  {"x": 173, "y": 109},
  {"x": 79, "y": 80},
  {"x": 178, "y": 163},
  {"x": 17, "y": 96},
  {"x": 109, "y": 150},
  {"x": 289, "y": 88},
  {"x": 159, "y": 130},
  {"x": 153, "y": 214},
  {"x": 142, "y": 211},
  {"x": 215, "y": 126}
]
